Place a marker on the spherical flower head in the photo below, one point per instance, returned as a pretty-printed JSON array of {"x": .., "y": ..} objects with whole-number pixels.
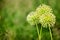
[
  {"x": 47, "y": 20},
  {"x": 44, "y": 9},
  {"x": 32, "y": 18}
]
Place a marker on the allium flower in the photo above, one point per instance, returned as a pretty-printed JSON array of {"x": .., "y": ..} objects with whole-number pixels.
[
  {"x": 44, "y": 9},
  {"x": 47, "y": 19},
  {"x": 32, "y": 18}
]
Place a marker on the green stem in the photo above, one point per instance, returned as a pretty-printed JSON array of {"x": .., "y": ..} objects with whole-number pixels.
[
  {"x": 40, "y": 33},
  {"x": 37, "y": 31},
  {"x": 50, "y": 34}
]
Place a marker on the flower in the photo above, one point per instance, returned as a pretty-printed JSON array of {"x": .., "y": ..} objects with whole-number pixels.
[
  {"x": 32, "y": 18},
  {"x": 42, "y": 15},
  {"x": 47, "y": 19},
  {"x": 44, "y": 9}
]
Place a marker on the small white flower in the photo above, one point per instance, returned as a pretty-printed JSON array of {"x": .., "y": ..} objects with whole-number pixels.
[
  {"x": 47, "y": 19},
  {"x": 44, "y": 9},
  {"x": 32, "y": 18}
]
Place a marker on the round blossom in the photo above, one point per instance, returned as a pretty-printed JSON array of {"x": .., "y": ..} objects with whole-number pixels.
[
  {"x": 42, "y": 15},
  {"x": 47, "y": 19},
  {"x": 44, "y": 9},
  {"x": 32, "y": 18}
]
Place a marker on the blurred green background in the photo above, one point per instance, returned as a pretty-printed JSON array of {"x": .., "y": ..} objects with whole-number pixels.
[{"x": 13, "y": 24}]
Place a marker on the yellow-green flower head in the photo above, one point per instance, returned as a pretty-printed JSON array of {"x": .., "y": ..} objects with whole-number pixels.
[
  {"x": 47, "y": 19},
  {"x": 32, "y": 18},
  {"x": 44, "y": 9}
]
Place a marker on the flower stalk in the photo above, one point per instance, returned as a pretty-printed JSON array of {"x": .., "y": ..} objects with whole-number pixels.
[
  {"x": 37, "y": 31},
  {"x": 40, "y": 33},
  {"x": 50, "y": 33}
]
